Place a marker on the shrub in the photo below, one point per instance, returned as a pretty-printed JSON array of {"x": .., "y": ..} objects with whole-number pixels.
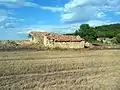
[
  {"x": 118, "y": 38},
  {"x": 114, "y": 41}
]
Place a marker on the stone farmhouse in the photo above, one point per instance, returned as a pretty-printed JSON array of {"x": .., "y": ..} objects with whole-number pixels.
[{"x": 53, "y": 40}]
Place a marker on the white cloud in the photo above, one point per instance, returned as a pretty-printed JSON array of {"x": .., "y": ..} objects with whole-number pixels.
[
  {"x": 50, "y": 28},
  {"x": 17, "y": 3},
  {"x": 8, "y": 0},
  {"x": 3, "y": 15},
  {"x": 67, "y": 16},
  {"x": 79, "y": 14},
  {"x": 11, "y": 3},
  {"x": 22, "y": 19},
  {"x": 54, "y": 9},
  {"x": 2, "y": 18},
  {"x": 8, "y": 22},
  {"x": 85, "y": 10},
  {"x": 97, "y": 22},
  {"x": 30, "y": 4},
  {"x": 117, "y": 13},
  {"x": 101, "y": 14}
]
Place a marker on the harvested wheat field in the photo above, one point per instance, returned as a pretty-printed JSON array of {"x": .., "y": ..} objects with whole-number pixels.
[{"x": 60, "y": 70}]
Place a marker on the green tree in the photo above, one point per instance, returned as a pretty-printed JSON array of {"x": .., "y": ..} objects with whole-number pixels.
[
  {"x": 84, "y": 27},
  {"x": 83, "y": 30},
  {"x": 86, "y": 32}
]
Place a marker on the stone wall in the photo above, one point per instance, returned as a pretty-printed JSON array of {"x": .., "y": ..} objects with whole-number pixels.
[
  {"x": 76, "y": 45},
  {"x": 52, "y": 44},
  {"x": 36, "y": 40}
]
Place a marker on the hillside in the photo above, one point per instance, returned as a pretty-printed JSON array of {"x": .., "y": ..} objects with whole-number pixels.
[{"x": 108, "y": 30}]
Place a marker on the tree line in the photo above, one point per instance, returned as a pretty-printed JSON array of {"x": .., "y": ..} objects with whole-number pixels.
[{"x": 92, "y": 33}]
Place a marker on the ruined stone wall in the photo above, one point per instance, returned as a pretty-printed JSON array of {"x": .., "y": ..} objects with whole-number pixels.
[
  {"x": 66, "y": 44},
  {"x": 36, "y": 40},
  {"x": 69, "y": 44},
  {"x": 52, "y": 44}
]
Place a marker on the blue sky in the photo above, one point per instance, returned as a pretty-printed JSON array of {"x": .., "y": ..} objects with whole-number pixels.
[{"x": 19, "y": 17}]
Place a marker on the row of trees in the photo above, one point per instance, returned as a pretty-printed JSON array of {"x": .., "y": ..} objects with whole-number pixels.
[{"x": 92, "y": 33}]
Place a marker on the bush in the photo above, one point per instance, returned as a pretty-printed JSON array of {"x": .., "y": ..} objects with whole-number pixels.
[
  {"x": 114, "y": 41},
  {"x": 118, "y": 38},
  {"x": 10, "y": 45}
]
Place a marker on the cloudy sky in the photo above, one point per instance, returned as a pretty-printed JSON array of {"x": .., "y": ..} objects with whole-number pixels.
[{"x": 19, "y": 17}]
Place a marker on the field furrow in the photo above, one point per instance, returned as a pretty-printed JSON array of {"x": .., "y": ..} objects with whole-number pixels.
[{"x": 60, "y": 70}]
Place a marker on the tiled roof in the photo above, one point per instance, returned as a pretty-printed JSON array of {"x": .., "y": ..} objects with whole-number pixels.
[{"x": 58, "y": 37}]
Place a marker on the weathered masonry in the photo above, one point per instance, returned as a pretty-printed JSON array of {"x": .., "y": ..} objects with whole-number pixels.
[{"x": 55, "y": 40}]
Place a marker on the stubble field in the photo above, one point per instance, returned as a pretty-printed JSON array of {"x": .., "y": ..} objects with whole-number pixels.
[{"x": 60, "y": 70}]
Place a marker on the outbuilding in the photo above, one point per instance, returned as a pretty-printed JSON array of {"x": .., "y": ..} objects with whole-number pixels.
[{"x": 53, "y": 40}]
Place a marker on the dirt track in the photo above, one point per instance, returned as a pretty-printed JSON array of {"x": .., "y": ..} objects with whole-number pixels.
[{"x": 60, "y": 70}]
